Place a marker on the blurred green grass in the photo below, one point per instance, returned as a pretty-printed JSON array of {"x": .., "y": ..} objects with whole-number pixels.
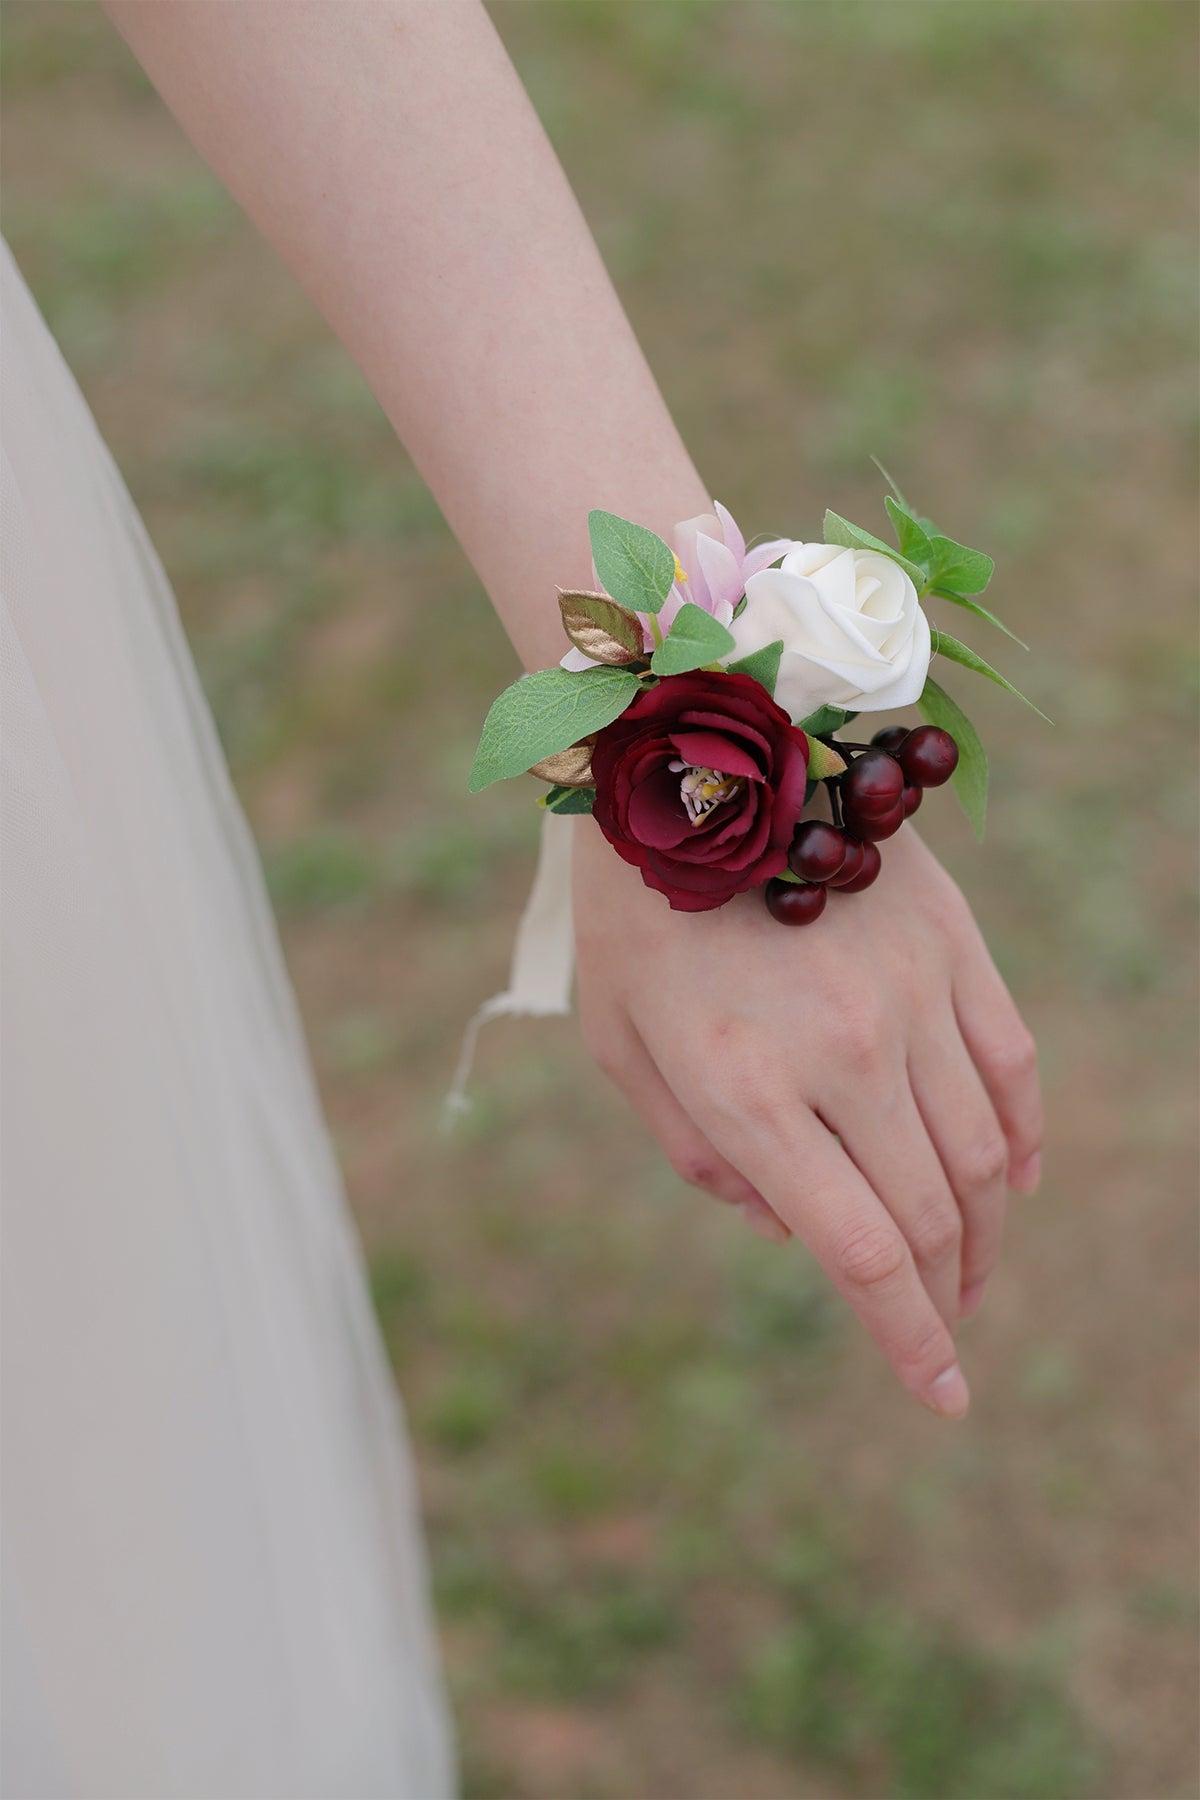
[{"x": 686, "y": 1538}]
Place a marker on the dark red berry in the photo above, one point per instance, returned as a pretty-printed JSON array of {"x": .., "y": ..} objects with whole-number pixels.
[
  {"x": 794, "y": 903},
  {"x": 852, "y": 864},
  {"x": 872, "y": 863},
  {"x": 874, "y": 830},
  {"x": 818, "y": 851},
  {"x": 872, "y": 784},
  {"x": 912, "y": 799},
  {"x": 929, "y": 756},
  {"x": 890, "y": 738}
]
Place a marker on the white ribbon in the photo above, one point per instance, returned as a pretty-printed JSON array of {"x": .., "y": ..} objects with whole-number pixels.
[{"x": 543, "y": 964}]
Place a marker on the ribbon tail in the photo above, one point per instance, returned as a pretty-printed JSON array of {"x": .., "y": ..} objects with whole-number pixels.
[{"x": 543, "y": 963}]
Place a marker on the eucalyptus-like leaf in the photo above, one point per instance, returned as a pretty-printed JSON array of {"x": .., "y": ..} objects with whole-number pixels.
[
  {"x": 927, "y": 525},
  {"x": 695, "y": 638},
  {"x": 952, "y": 572},
  {"x": 912, "y": 537},
  {"x": 761, "y": 665},
  {"x": 600, "y": 627},
  {"x": 546, "y": 712},
  {"x": 634, "y": 565},
  {"x": 823, "y": 762},
  {"x": 970, "y": 778},
  {"x": 954, "y": 651},
  {"x": 571, "y": 767},
  {"x": 852, "y": 537},
  {"x": 893, "y": 485},
  {"x": 957, "y": 567},
  {"x": 826, "y": 719},
  {"x": 568, "y": 799},
  {"x": 980, "y": 611}
]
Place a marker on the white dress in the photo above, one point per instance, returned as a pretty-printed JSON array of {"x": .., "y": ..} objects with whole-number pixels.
[{"x": 213, "y": 1577}]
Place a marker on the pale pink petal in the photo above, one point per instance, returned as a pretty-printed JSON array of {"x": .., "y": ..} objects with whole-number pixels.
[
  {"x": 722, "y": 573},
  {"x": 685, "y": 535},
  {"x": 576, "y": 661},
  {"x": 734, "y": 540},
  {"x": 670, "y": 607},
  {"x": 763, "y": 555}
]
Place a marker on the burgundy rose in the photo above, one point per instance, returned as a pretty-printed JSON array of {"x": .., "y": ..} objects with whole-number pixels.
[{"x": 700, "y": 784}]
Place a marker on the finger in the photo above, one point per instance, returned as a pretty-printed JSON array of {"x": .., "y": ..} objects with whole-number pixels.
[
  {"x": 885, "y": 1137},
  {"x": 966, "y": 1134},
  {"x": 628, "y": 1064},
  {"x": 1003, "y": 1050},
  {"x": 813, "y": 1186}
]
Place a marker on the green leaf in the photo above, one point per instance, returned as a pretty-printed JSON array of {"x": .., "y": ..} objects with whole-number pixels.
[
  {"x": 981, "y": 612},
  {"x": 958, "y": 568},
  {"x": 635, "y": 566},
  {"x": 970, "y": 778},
  {"x": 825, "y": 720},
  {"x": 761, "y": 665},
  {"x": 894, "y": 486},
  {"x": 568, "y": 800},
  {"x": 853, "y": 537},
  {"x": 695, "y": 638},
  {"x": 912, "y": 537},
  {"x": 952, "y": 571},
  {"x": 927, "y": 525},
  {"x": 545, "y": 712},
  {"x": 954, "y": 651}
]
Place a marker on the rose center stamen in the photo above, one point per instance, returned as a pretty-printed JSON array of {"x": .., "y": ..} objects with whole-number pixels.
[{"x": 703, "y": 789}]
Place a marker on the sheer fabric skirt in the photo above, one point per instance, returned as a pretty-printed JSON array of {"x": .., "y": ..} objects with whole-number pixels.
[{"x": 213, "y": 1580}]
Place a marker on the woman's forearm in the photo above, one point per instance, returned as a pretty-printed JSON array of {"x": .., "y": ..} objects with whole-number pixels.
[{"x": 388, "y": 151}]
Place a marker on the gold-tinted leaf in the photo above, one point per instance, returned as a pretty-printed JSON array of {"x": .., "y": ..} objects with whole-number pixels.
[
  {"x": 602, "y": 629},
  {"x": 822, "y": 761},
  {"x": 567, "y": 768}
]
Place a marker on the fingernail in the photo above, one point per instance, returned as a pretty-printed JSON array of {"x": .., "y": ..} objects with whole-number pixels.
[
  {"x": 762, "y": 1220},
  {"x": 949, "y": 1394},
  {"x": 970, "y": 1298},
  {"x": 1026, "y": 1177}
]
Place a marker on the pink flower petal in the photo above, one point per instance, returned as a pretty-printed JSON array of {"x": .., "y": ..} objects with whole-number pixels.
[
  {"x": 685, "y": 536},
  {"x": 734, "y": 541},
  {"x": 763, "y": 555},
  {"x": 722, "y": 573}
]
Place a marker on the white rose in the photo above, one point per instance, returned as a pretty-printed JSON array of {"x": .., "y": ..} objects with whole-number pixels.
[{"x": 853, "y": 631}]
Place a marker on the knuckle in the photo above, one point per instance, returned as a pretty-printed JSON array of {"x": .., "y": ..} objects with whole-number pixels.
[
  {"x": 936, "y": 1233},
  {"x": 696, "y": 1168},
  {"x": 868, "y": 1256},
  {"x": 860, "y": 1033},
  {"x": 950, "y": 910},
  {"x": 1016, "y": 1056},
  {"x": 927, "y": 1347},
  {"x": 985, "y": 1163},
  {"x": 747, "y": 1089}
]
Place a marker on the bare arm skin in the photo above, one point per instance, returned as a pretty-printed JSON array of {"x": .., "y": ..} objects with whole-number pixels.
[
  {"x": 390, "y": 155},
  {"x": 869, "y": 1087}
]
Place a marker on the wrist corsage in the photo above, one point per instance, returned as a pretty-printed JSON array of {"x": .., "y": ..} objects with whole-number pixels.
[{"x": 696, "y": 714}]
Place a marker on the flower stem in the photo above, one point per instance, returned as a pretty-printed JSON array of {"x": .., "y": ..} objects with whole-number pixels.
[{"x": 655, "y": 631}]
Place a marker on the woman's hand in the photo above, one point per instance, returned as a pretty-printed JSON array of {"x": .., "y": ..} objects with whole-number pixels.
[{"x": 865, "y": 1083}]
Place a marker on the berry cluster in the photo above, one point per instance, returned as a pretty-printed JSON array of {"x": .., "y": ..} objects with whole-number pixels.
[{"x": 881, "y": 787}]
